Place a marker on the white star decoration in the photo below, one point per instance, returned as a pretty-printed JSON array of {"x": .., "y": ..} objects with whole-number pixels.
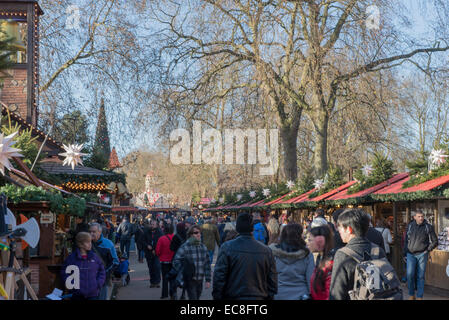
[
  {"x": 239, "y": 197},
  {"x": 73, "y": 155},
  {"x": 7, "y": 152},
  {"x": 290, "y": 184},
  {"x": 266, "y": 192},
  {"x": 221, "y": 200},
  {"x": 437, "y": 157},
  {"x": 318, "y": 184},
  {"x": 252, "y": 194},
  {"x": 367, "y": 169}
]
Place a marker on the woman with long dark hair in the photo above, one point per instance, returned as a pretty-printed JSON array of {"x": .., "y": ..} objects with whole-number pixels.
[
  {"x": 322, "y": 242},
  {"x": 294, "y": 264}
]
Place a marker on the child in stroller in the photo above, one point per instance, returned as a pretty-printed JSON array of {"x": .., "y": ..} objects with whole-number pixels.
[{"x": 122, "y": 271}]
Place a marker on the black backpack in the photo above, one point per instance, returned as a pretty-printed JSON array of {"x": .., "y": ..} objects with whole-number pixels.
[{"x": 374, "y": 279}]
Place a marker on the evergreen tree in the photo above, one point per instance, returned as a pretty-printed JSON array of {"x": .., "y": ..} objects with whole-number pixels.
[
  {"x": 102, "y": 149},
  {"x": 6, "y": 50}
]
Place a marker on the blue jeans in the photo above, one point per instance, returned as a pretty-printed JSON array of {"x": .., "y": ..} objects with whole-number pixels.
[
  {"x": 124, "y": 247},
  {"x": 211, "y": 255},
  {"x": 416, "y": 271}
]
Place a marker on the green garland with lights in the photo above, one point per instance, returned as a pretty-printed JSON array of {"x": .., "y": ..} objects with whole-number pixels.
[{"x": 58, "y": 204}]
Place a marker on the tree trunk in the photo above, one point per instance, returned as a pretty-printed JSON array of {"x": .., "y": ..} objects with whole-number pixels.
[
  {"x": 321, "y": 124},
  {"x": 289, "y": 136}
]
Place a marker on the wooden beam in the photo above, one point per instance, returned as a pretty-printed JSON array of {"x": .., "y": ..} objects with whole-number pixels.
[{"x": 27, "y": 171}]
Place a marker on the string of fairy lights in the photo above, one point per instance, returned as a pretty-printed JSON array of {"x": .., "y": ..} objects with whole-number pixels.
[{"x": 84, "y": 186}]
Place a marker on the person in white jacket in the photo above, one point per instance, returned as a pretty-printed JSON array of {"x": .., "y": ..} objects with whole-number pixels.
[{"x": 382, "y": 227}]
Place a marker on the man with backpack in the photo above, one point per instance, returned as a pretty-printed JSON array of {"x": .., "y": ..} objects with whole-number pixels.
[
  {"x": 260, "y": 231},
  {"x": 420, "y": 240},
  {"x": 125, "y": 231},
  {"x": 361, "y": 270}
]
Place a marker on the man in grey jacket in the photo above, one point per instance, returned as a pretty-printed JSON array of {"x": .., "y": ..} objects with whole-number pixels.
[
  {"x": 352, "y": 225},
  {"x": 126, "y": 231}
]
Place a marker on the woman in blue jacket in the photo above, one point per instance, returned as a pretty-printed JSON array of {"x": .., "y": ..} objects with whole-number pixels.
[{"x": 91, "y": 270}]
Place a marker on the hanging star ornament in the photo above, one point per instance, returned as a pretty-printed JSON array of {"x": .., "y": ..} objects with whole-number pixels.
[
  {"x": 239, "y": 197},
  {"x": 318, "y": 184},
  {"x": 221, "y": 200},
  {"x": 252, "y": 194},
  {"x": 367, "y": 170},
  {"x": 266, "y": 192},
  {"x": 7, "y": 152},
  {"x": 437, "y": 157},
  {"x": 290, "y": 184},
  {"x": 73, "y": 155}
]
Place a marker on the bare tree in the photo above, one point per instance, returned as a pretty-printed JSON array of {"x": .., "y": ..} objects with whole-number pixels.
[{"x": 303, "y": 53}]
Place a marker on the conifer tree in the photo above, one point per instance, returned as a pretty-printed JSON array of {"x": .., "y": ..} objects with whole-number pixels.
[{"x": 102, "y": 149}]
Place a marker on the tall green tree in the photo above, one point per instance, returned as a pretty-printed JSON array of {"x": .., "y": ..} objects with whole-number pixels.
[{"x": 101, "y": 149}]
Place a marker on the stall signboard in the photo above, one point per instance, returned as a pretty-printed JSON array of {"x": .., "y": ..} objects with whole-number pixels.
[{"x": 46, "y": 218}]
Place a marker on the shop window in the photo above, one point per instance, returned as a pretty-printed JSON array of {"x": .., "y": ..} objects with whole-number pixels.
[
  {"x": 16, "y": 29},
  {"x": 443, "y": 226}
]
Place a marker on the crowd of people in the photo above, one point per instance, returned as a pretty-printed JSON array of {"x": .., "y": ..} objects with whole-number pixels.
[{"x": 279, "y": 259}]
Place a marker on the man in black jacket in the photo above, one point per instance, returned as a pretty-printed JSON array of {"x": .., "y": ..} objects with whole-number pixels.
[
  {"x": 245, "y": 268},
  {"x": 151, "y": 236},
  {"x": 420, "y": 239},
  {"x": 352, "y": 225},
  {"x": 375, "y": 236}
]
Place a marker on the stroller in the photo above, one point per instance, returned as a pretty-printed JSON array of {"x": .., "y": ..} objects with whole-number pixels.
[{"x": 122, "y": 272}]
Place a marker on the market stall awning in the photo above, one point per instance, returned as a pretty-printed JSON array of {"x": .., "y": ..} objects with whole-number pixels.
[
  {"x": 301, "y": 198},
  {"x": 278, "y": 199},
  {"x": 333, "y": 192},
  {"x": 58, "y": 168},
  {"x": 363, "y": 193},
  {"x": 428, "y": 185}
]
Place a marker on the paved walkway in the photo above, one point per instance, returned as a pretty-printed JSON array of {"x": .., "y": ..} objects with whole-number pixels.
[{"x": 139, "y": 286}]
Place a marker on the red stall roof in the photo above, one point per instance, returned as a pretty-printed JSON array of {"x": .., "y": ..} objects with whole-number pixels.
[
  {"x": 277, "y": 200},
  {"x": 301, "y": 198},
  {"x": 385, "y": 184},
  {"x": 256, "y": 203},
  {"x": 429, "y": 185},
  {"x": 333, "y": 192}
]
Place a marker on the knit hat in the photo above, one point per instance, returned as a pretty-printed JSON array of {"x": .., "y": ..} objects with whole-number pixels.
[
  {"x": 190, "y": 220},
  {"x": 244, "y": 223},
  {"x": 318, "y": 222}
]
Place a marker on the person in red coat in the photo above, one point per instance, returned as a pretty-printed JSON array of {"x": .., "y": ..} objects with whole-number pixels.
[
  {"x": 322, "y": 241},
  {"x": 166, "y": 257}
]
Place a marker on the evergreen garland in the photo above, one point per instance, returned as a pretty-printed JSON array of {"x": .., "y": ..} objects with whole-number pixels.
[
  {"x": 58, "y": 204},
  {"x": 332, "y": 180},
  {"x": 382, "y": 171}
]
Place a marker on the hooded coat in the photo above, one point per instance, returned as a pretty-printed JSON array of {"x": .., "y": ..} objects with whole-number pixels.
[
  {"x": 295, "y": 270},
  {"x": 91, "y": 273}
]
